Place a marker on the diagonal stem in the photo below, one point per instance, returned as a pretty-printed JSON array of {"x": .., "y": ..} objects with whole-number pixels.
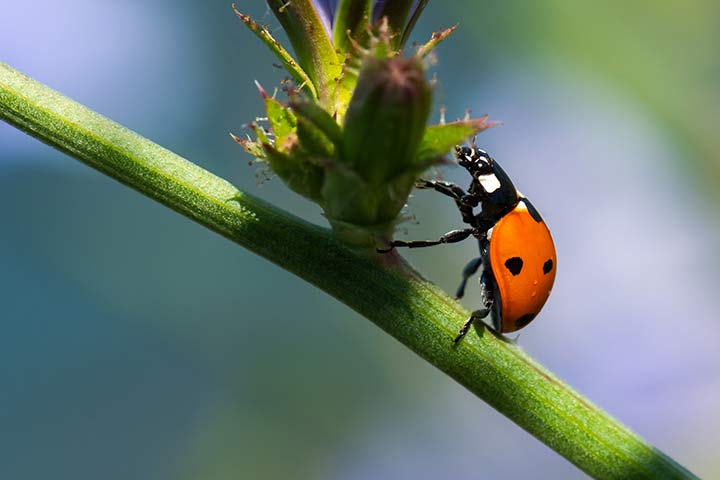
[{"x": 387, "y": 291}]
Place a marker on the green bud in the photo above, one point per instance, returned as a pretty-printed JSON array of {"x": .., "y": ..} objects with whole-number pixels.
[
  {"x": 352, "y": 137},
  {"x": 386, "y": 118}
]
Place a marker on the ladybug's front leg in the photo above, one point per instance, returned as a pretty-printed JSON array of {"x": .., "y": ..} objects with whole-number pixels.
[
  {"x": 446, "y": 188},
  {"x": 464, "y": 201},
  {"x": 453, "y": 236}
]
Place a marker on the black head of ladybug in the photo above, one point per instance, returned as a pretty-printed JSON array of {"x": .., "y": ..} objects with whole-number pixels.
[{"x": 474, "y": 160}]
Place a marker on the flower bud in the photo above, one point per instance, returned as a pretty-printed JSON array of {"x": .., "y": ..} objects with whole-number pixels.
[{"x": 386, "y": 118}]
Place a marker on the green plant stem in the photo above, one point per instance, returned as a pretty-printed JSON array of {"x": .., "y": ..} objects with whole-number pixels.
[{"x": 383, "y": 289}]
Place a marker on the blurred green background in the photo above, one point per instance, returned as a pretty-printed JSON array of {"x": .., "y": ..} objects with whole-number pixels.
[{"x": 136, "y": 344}]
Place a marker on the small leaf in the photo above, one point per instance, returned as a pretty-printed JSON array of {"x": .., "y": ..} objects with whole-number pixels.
[
  {"x": 281, "y": 119},
  {"x": 440, "y": 139},
  {"x": 314, "y": 142},
  {"x": 299, "y": 175},
  {"x": 260, "y": 133},
  {"x": 288, "y": 62},
  {"x": 436, "y": 38},
  {"x": 253, "y": 148},
  {"x": 346, "y": 83},
  {"x": 322, "y": 120}
]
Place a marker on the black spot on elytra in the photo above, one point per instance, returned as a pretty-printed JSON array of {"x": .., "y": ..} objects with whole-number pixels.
[
  {"x": 547, "y": 266},
  {"x": 524, "y": 320},
  {"x": 531, "y": 210},
  {"x": 514, "y": 264}
]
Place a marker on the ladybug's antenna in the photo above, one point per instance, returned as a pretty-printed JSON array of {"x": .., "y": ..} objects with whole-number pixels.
[{"x": 472, "y": 142}]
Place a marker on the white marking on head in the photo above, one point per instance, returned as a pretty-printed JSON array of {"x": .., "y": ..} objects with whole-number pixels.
[
  {"x": 468, "y": 158},
  {"x": 489, "y": 182},
  {"x": 482, "y": 157}
]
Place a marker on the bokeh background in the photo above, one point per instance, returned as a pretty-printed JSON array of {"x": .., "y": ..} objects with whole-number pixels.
[{"x": 136, "y": 344}]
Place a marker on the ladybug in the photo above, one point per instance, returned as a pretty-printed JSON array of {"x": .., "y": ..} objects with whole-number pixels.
[{"x": 517, "y": 254}]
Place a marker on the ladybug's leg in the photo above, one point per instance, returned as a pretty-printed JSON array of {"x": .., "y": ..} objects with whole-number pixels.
[
  {"x": 474, "y": 264},
  {"x": 486, "y": 288},
  {"x": 476, "y": 315},
  {"x": 468, "y": 272},
  {"x": 487, "y": 291},
  {"x": 453, "y": 236},
  {"x": 464, "y": 201},
  {"x": 446, "y": 188}
]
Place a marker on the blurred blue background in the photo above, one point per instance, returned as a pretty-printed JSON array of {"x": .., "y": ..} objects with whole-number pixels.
[{"x": 136, "y": 344}]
